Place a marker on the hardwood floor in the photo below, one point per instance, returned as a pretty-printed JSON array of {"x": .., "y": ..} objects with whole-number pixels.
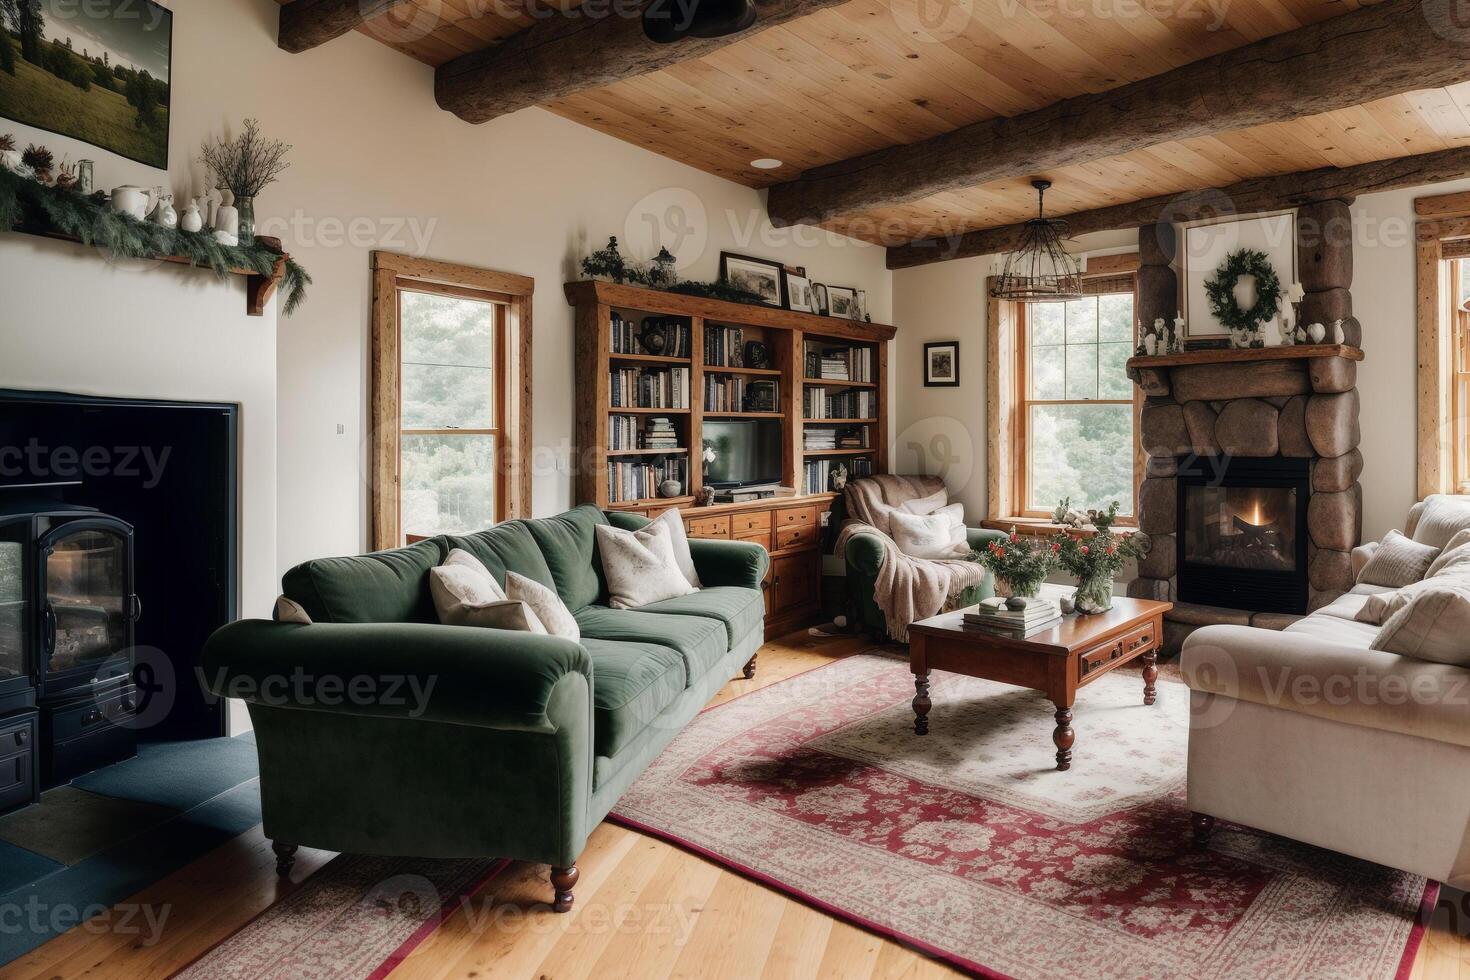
[{"x": 645, "y": 909}]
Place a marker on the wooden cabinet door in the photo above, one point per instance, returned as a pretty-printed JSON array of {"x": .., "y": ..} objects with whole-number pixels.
[{"x": 794, "y": 580}]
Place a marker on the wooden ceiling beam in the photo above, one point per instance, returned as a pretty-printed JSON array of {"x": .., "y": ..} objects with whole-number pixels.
[
  {"x": 571, "y": 52},
  {"x": 1373, "y": 52},
  {"x": 305, "y": 24},
  {"x": 1247, "y": 197}
]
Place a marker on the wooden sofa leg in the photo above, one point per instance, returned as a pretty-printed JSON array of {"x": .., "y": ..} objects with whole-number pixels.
[
  {"x": 285, "y": 857},
  {"x": 563, "y": 880},
  {"x": 749, "y": 671},
  {"x": 1203, "y": 825}
]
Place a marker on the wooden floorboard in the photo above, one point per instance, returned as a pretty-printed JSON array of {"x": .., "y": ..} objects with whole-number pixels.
[{"x": 645, "y": 910}]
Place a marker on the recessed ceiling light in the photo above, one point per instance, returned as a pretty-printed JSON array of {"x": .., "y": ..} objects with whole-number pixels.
[{"x": 765, "y": 163}]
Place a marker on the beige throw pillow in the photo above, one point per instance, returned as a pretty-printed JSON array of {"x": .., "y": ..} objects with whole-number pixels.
[
  {"x": 1442, "y": 517},
  {"x": 291, "y": 611},
  {"x": 937, "y": 535},
  {"x": 1398, "y": 561},
  {"x": 1434, "y": 625},
  {"x": 639, "y": 566},
  {"x": 679, "y": 540},
  {"x": 924, "y": 506},
  {"x": 552, "y": 613},
  {"x": 466, "y": 594},
  {"x": 1456, "y": 554}
]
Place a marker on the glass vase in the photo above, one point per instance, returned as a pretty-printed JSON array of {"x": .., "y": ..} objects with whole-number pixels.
[
  {"x": 246, "y": 207},
  {"x": 1094, "y": 593}
]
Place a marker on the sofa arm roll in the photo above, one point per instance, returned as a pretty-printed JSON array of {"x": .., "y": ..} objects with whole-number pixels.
[
  {"x": 1310, "y": 674},
  {"x": 737, "y": 563},
  {"x": 456, "y": 674},
  {"x": 979, "y": 537}
]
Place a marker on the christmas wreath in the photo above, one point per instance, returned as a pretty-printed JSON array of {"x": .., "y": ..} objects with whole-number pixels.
[{"x": 1220, "y": 289}]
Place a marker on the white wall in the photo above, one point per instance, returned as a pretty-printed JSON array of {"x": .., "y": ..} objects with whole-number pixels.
[
  {"x": 946, "y": 301},
  {"x": 376, "y": 161}
]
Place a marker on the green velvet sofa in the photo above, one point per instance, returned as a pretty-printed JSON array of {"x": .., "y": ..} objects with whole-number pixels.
[{"x": 516, "y": 745}]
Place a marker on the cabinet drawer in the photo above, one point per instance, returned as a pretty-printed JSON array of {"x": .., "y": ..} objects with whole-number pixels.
[
  {"x": 1140, "y": 639},
  {"x": 796, "y": 516},
  {"x": 796, "y": 537},
  {"x": 762, "y": 538},
  {"x": 756, "y": 520},
  {"x": 709, "y": 527},
  {"x": 1099, "y": 658}
]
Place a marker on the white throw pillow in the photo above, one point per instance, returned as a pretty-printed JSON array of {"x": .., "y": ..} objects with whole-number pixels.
[
  {"x": 923, "y": 506},
  {"x": 1442, "y": 517},
  {"x": 552, "y": 613},
  {"x": 679, "y": 540},
  {"x": 639, "y": 566},
  {"x": 1398, "y": 561},
  {"x": 1434, "y": 625},
  {"x": 463, "y": 580},
  {"x": 291, "y": 611},
  {"x": 937, "y": 535},
  {"x": 1456, "y": 553}
]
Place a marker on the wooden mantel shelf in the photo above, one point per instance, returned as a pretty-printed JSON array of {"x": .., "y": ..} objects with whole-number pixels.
[
  {"x": 585, "y": 292},
  {"x": 258, "y": 288},
  {"x": 1246, "y": 355}
]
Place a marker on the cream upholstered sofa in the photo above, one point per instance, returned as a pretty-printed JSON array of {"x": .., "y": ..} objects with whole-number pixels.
[{"x": 1311, "y": 734}]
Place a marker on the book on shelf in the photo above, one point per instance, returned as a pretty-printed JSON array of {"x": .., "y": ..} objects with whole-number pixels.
[
  {"x": 723, "y": 346},
  {"x": 675, "y": 334},
  {"x": 816, "y": 438},
  {"x": 629, "y": 480},
  {"x": 627, "y": 432},
  {"x": 640, "y": 387},
  {"x": 827, "y": 362},
  {"x": 819, "y": 403}
]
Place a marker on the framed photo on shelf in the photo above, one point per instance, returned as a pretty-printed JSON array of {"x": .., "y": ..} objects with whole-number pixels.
[
  {"x": 799, "y": 295},
  {"x": 819, "y": 298},
  {"x": 843, "y": 302},
  {"x": 942, "y": 364},
  {"x": 760, "y": 276}
]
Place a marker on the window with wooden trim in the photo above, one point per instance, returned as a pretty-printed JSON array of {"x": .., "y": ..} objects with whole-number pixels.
[
  {"x": 1063, "y": 410},
  {"x": 451, "y": 410},
  {"x": 1442, "y": 272},
  {"x": 1457, "y": 368}
]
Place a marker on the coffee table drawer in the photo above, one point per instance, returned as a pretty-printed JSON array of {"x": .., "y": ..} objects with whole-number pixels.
[
  {"x": 1099, "y": 658},
  {"x": 1140, "y": 639}
]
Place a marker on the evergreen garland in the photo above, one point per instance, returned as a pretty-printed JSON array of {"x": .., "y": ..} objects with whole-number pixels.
[
  {"x": 608, "y": 263},
  {"x": 23, "y": 200},
  {"x": 1220, "y": 289}
]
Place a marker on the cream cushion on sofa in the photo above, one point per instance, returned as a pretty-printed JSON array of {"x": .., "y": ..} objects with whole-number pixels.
[
  {"x": 1438, "y": 518},
  {"x": 1398, "y": 561},
  {"x": 679, "y": 541},
  {"x": 924, "y": 506},
  {"x": 1434, "y": 625},
  {"x": 639, "y": 566},
  {"x": 1456, "y": 553},
  {"x": 545, "y": 603},
  {"x": 937, "y": 535},
  {"x": 466, "y": 594}
]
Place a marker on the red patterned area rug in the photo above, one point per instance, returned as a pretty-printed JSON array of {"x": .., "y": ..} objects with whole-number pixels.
[
  {"x": 358, "y": 917},
  {"x": 968, "y": 845}
]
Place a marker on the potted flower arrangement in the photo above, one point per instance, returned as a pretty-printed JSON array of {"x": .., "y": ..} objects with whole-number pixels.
[
  {"x": 1019, "y": 567},
  {"x": 1094, "y": 561}
]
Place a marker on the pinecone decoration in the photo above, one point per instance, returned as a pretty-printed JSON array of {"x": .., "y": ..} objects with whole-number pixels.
[
  {"x": 40, "y": 160},
  {"x": 7, "y": 142}
]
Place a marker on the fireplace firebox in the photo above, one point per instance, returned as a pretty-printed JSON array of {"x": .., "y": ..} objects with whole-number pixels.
[{"x": 1242, "y": 532}]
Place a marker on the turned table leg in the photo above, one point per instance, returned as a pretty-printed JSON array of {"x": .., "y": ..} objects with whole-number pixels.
[
  {"x": 922, "y": 704},
  {"x": 749, "y": 670},
  {"x": 1150, "y": 674},
  {"x": 1203, "y": 825},
  {"x": 563, "y": 880},
  {"x": 1063, "y": 736},
  {"x": 285, "y": 857}
]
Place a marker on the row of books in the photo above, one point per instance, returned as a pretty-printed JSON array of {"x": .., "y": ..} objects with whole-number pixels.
[
  {"x": 649, "y": 387},
  {"x": 624, "y": 433},
  {"x": 817, "y": 473},
  {"x": 819, "y": 403},
  {"x": 660, "y": 336},
  {"x": 724, "y": 346},
  {"x": 640, "y": 480},
  {"x": 994, "y": 614},
  {"x": 817, "y": 438},
  {"x": 727, "y": 393},
  {"x": 839, "y": 363}
]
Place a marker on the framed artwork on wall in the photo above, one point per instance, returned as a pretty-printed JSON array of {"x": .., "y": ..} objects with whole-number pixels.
[
  {"x": 97, "y": 72},
  {"x": 942, "y": 364},
  {"x": 760, "y": 276},
  {"x": 1206, "y": 246}
]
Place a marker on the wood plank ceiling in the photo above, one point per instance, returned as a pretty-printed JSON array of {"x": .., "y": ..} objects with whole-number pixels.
[{"x": 870, "y": 74}]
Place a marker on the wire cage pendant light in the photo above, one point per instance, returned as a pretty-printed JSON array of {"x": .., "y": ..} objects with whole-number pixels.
[{"x": 1040, "y": 269}]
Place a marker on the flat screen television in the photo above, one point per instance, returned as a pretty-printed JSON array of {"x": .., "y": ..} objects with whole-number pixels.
[{"x": 747, "y": 453}]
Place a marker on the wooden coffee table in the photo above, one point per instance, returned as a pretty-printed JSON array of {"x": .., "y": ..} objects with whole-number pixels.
[{"x": 1056, "y": 661}]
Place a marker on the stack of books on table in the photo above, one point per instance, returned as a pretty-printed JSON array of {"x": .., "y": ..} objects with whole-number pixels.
[{"x": 992, "y": 614}]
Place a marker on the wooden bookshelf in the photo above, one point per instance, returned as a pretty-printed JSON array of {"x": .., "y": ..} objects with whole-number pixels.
[{"x": 789, "y": 527}]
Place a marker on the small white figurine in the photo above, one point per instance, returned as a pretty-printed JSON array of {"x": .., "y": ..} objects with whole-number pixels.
[
  {"x": 1338, "y": 337},
  {"x": 1316, "y": 332},
  {"x": 191, "y": 221}
]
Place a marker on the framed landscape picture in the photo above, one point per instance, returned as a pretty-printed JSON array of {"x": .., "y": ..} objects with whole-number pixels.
[
  {"x": 799, "y": 293},
  {"x": 760, "y": 276},
  {"x": 96, "y": 71},
  {"x": 843, "y": 302},
  {"x": 942, "y": 364}
]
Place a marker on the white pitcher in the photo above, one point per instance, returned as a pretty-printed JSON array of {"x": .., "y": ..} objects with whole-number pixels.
[{"x": 133, "y": 200}]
